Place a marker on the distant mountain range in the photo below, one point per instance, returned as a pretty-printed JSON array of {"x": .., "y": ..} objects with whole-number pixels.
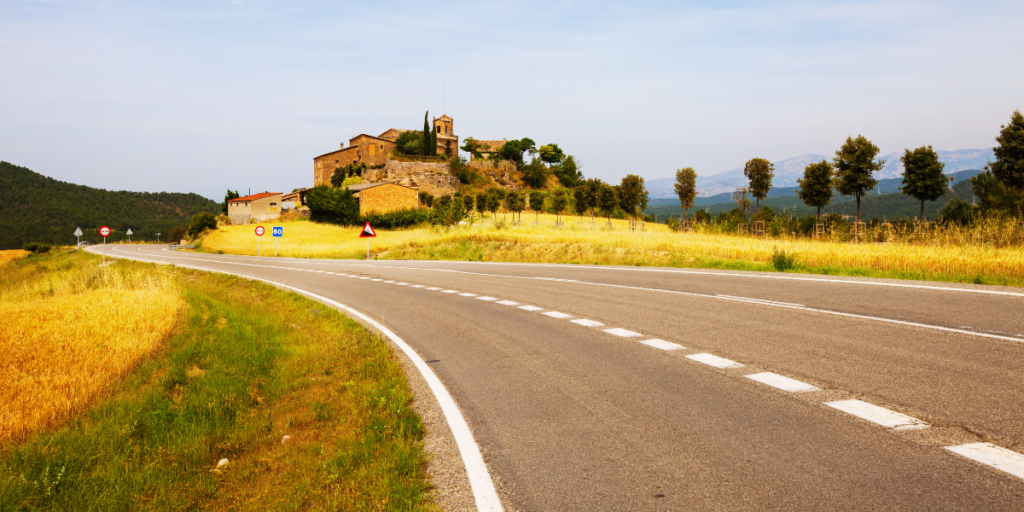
[{"x": 789, "y": 170}]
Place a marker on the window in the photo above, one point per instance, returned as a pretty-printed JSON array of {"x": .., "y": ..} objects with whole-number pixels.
[{"x": 437, "y": 129}]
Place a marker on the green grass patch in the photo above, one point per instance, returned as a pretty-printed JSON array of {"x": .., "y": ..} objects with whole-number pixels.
[{"x": 249, "y": 365}]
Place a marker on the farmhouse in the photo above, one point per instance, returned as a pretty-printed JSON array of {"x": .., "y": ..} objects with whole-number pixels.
[
  {"x": 384, "y": 197},
  {"x": 258, "y": 207}
]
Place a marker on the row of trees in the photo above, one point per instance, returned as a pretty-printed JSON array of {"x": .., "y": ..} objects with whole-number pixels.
[{"x": 545, "y": 160}]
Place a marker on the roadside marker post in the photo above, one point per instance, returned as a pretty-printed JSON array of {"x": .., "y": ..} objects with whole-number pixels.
[
  {"x": 129, "y": 233},
  {"x": 78, "y": 236},
  {"x": 278, "y": 232},
  {"x": 104, "y": 232},
  {"x": 368, "y": 233},
  {"x": 259, "y": 234}
]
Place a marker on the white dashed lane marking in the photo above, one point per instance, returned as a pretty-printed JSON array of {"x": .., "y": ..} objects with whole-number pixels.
[
  {"x": 622, "y": 332},
  {"x": 784, "y": 383},
  {"x": 992, "y": 455},
  {"x": 713, "y": 360},
  {"x": 662, "y": 344},
  {"x": 467, "y": 294},
  {"x": 433, "y": 288},
  {"x": 556, "y": 314},
  {"x": 879, "y": 415},
  {"x": 449, "y": 291},
  {"x": 402, "y": 284},
  {"x": 507, "y": 303},
  {"x": 587, "y": 323},
  {"x": 417, "y": 286},
  {"x": 531, "y": 308},
  {"x": 487, "y": 298}
]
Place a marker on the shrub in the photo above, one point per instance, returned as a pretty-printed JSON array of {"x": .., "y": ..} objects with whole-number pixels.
[
  {"x": 702, "y": 216},
  {"x": 426, "y": 199},
  {"x": 177, "y": 234},
  {"x": 333, "y": 205},
  {"x": 397, "y": 219},
  {"x": 782, "y": 261},
  {"x": 673, "y": 223},
  {"x": 36, "y": 247},
  {"x": 200, "y": 223}
]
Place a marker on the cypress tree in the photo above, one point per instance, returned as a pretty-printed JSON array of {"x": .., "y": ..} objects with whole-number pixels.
[{"x": 426, "y": 148}]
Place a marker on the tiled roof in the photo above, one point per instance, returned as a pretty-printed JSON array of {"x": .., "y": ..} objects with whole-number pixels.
[{"x": 255, "y": 197}]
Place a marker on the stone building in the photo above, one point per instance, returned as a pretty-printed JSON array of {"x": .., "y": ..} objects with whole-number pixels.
[
  {"x": 488, "y": 148},
  {"x": 258, "y": 207},
  {"x": 384, "y": 197}
]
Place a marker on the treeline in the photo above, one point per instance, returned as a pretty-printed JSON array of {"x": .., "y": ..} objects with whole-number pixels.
[{"x": 38, "y": 209}]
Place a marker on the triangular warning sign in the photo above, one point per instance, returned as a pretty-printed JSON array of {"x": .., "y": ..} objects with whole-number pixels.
[{"x": 367, "y": 231}]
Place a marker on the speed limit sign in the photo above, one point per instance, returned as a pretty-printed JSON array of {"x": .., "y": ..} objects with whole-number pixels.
[
  {"x": 104, "y": 231},
  {"x": 260, "y": 231}
]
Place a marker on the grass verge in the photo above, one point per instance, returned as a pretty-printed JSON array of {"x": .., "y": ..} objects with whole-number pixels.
[{"x": 246, "y": 366}]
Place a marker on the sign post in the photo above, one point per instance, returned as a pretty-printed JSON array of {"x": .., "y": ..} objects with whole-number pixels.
[
  {"x": 278, "y": 232},
  {"x": 368, "y": 233},
  {"x": 259, "y": 234},
  {"x": 104, "y": 232},
  {"x": 158, "y": 238},
  {"x": 78, "y": 236},
  {"x": 129, "y": 233}
]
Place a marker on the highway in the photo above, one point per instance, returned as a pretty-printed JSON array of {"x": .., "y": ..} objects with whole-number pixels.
[{"x": 634, "y": 388}]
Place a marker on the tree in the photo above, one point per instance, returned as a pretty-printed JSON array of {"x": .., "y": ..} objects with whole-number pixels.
[
  {"x": 922, "y": 175},
  {"x": 231, "y": 194},
  {"x": 992, "y": 195},
  {"x": 534, "y": 173},
  {"x": 510, "y": 150},
  {"x": 425, "y": 138},
  {"x": 568, "y": 171},
  {"x": 200, "y": 223},
  {"x": 632, "y": 194},
  {"x": 607, "y": 199},
  {"x": 409, "y": 143},
  {"x": 471, "y": 146},
  {"x": 537, "y": 199},
  {"x": 559, "y": 202},
  {"x": 760, "y": 173},
  {"x": 686, "y": 189},
  {"x": 515, "y": 203},
  {"x": 742, "y": 201},
  {"x": 551, "y": 154},
  {"x": 816, "y": 187},
  {"x": 332, "y": 205},
  {"x": 592, "y": 191},
  {"x": 579, "y": 196},
  {"x": 469, "y": 202},
  {"x": 493, "y": 201},
  {"x": 527, "y": 146},
  {"x": 957, "y": 211},
  {"x": 854, "y": 165},
  {"x": 1009, "y": 165}
]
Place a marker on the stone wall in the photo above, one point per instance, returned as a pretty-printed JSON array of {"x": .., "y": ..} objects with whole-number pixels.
[
  {"x": 386, "y": 198},
  {"x": 435, "y": 179}
]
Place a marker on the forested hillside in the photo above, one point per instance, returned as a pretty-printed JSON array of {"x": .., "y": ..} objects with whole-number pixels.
[{"x": 36, "y": 208}]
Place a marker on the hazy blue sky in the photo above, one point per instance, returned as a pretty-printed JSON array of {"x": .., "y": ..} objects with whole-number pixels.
[{"x": 207, "y": 95}]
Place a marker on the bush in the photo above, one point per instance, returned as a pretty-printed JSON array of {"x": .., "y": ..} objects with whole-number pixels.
[
  {"x": 426, "y": 199},
  {"x": 782, "y": 261},
  {"x": 333, "y": 205},
  {"x": 702, "y": 216},
  {"x": 674, "y": 223},
  {"x": 397, "y": 219},
  {"x": 36, "y": 248},
  {"x": 200, "y": 223},
  {"x": 178, "y": 234},
  {"x": 448, "y": 210},
  {"x": 957, "y": 211}
]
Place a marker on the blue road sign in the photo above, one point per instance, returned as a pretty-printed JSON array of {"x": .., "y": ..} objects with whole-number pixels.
[{"x": 278, "y": 231}]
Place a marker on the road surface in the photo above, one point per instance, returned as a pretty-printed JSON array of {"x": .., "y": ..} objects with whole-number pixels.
[{"x": 612, "y": 388}]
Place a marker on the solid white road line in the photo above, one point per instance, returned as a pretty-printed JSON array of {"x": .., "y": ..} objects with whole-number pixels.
[
  {"x": 486, "y": 298},
  {"x": 480, "y": 481},
  {"x": 766, "y": 301},
  {"x": 713, "y": 360},
  {"x": 467, "y": 294},
  {"x": 992, "y": 455},
  {"x": 531, "y": 308},
  {"x": 784, "y": 383},
  {"x": 879, "y": 415},
  {"x": 507, "y": 303},
  {"x": 621, "y": 332},
  {"x": 556, "y": 314},
  {"x": 662, "y": 344},
  {"x": 587, "y": 323}
]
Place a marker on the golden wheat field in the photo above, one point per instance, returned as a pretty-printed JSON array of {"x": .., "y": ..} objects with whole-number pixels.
[
  {"x": 12, "y": 255},
  {"x": 69, "y": 330},
  {"x": 580, "y": 242}
]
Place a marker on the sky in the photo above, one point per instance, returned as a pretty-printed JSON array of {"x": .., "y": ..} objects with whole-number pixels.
[{"x": 204, "y": 96}]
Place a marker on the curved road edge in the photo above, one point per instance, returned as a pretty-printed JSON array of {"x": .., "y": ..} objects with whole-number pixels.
[{"x": 484, "y": 492}]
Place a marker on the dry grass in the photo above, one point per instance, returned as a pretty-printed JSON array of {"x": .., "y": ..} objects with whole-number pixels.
[
  {"x": 12, "y": 255},
  {"x": 946, "y": 255},
  {"x": 68, "y": 334}
]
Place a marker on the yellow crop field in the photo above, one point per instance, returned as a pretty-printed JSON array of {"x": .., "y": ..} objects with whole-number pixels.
[
  {"x": 942, "y": 257},
  {"x": 12, "y": 255},
  {"x": 69, "y": 331}
]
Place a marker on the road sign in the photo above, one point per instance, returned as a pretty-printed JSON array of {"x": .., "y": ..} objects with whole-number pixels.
[
  {"x": 129, "y": 233},
  {"x": 277, "y": 230},
  {"x": 259, "y": 236},
  {"x": 78, "y": 237},
  {"x": 368, "y": 231},
  {"x": 104, "y": 231},
  {"x": 260, "y": 231},
  {"x": 78, "y": 232}
]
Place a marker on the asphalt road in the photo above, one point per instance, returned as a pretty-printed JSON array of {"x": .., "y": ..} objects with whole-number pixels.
[{"x": 575, "y": 418}]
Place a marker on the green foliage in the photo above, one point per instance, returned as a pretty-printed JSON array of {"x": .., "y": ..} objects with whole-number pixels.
[
  {"x": 567, "y": 171},
  {"x": 740, "y": 198},
  {"x": 782, "y": 261},
  {"x": 494, "y": 198},
  {"x": 333, "y": 205},
  {"x": 201, "y": 222},
  {"x": 854, "y": 165},
  {"x": 351, "y": 180},
  {"x": 535, "y": 174},
  {"x": 426, "y": 199},
  {"x": 472, "y": 146},
  {"x": 760, "y": 173},
  {"x": 409, "y": 143},
  {"x": 177, "y": 234},
  {"x": 607, "y": 199},
  {"x": 35, "y": 208},
  {"x": 559, "y": 201},
  {"x": 537, "y": 199},
  {"x": 426, "y": 148},
  {"x": 466, "y": 174},
  {"x": 633, "y": 195},
  {"x": 923, "y": 178},
  {"x": 342, "y": 174},
  {"x": 515, "y": 202},
  {"x": 397, "y": 219},
  {"x": 448, "y": 210},
  {"x": 1009, "y": 165},
  {"x": 816, "y": 186},
  {"x": 993, "y": 196},
  {"x": 958, "y": 211},
  {"x": 701, "y": 216},
  {"x": 551, "y": 154},
  {"x": 36, "y": 247},
  {"x": 686, "y": 188},
  {"x": 227, "y": 197}
]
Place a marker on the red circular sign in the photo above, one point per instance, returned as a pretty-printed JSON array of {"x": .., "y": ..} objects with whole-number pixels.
[
  {"x": 104, "y": 231},
  {"x": 260, "y": 231}
]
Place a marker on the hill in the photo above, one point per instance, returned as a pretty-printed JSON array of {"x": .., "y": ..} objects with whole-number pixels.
[{"x": 36, "y": 208}]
